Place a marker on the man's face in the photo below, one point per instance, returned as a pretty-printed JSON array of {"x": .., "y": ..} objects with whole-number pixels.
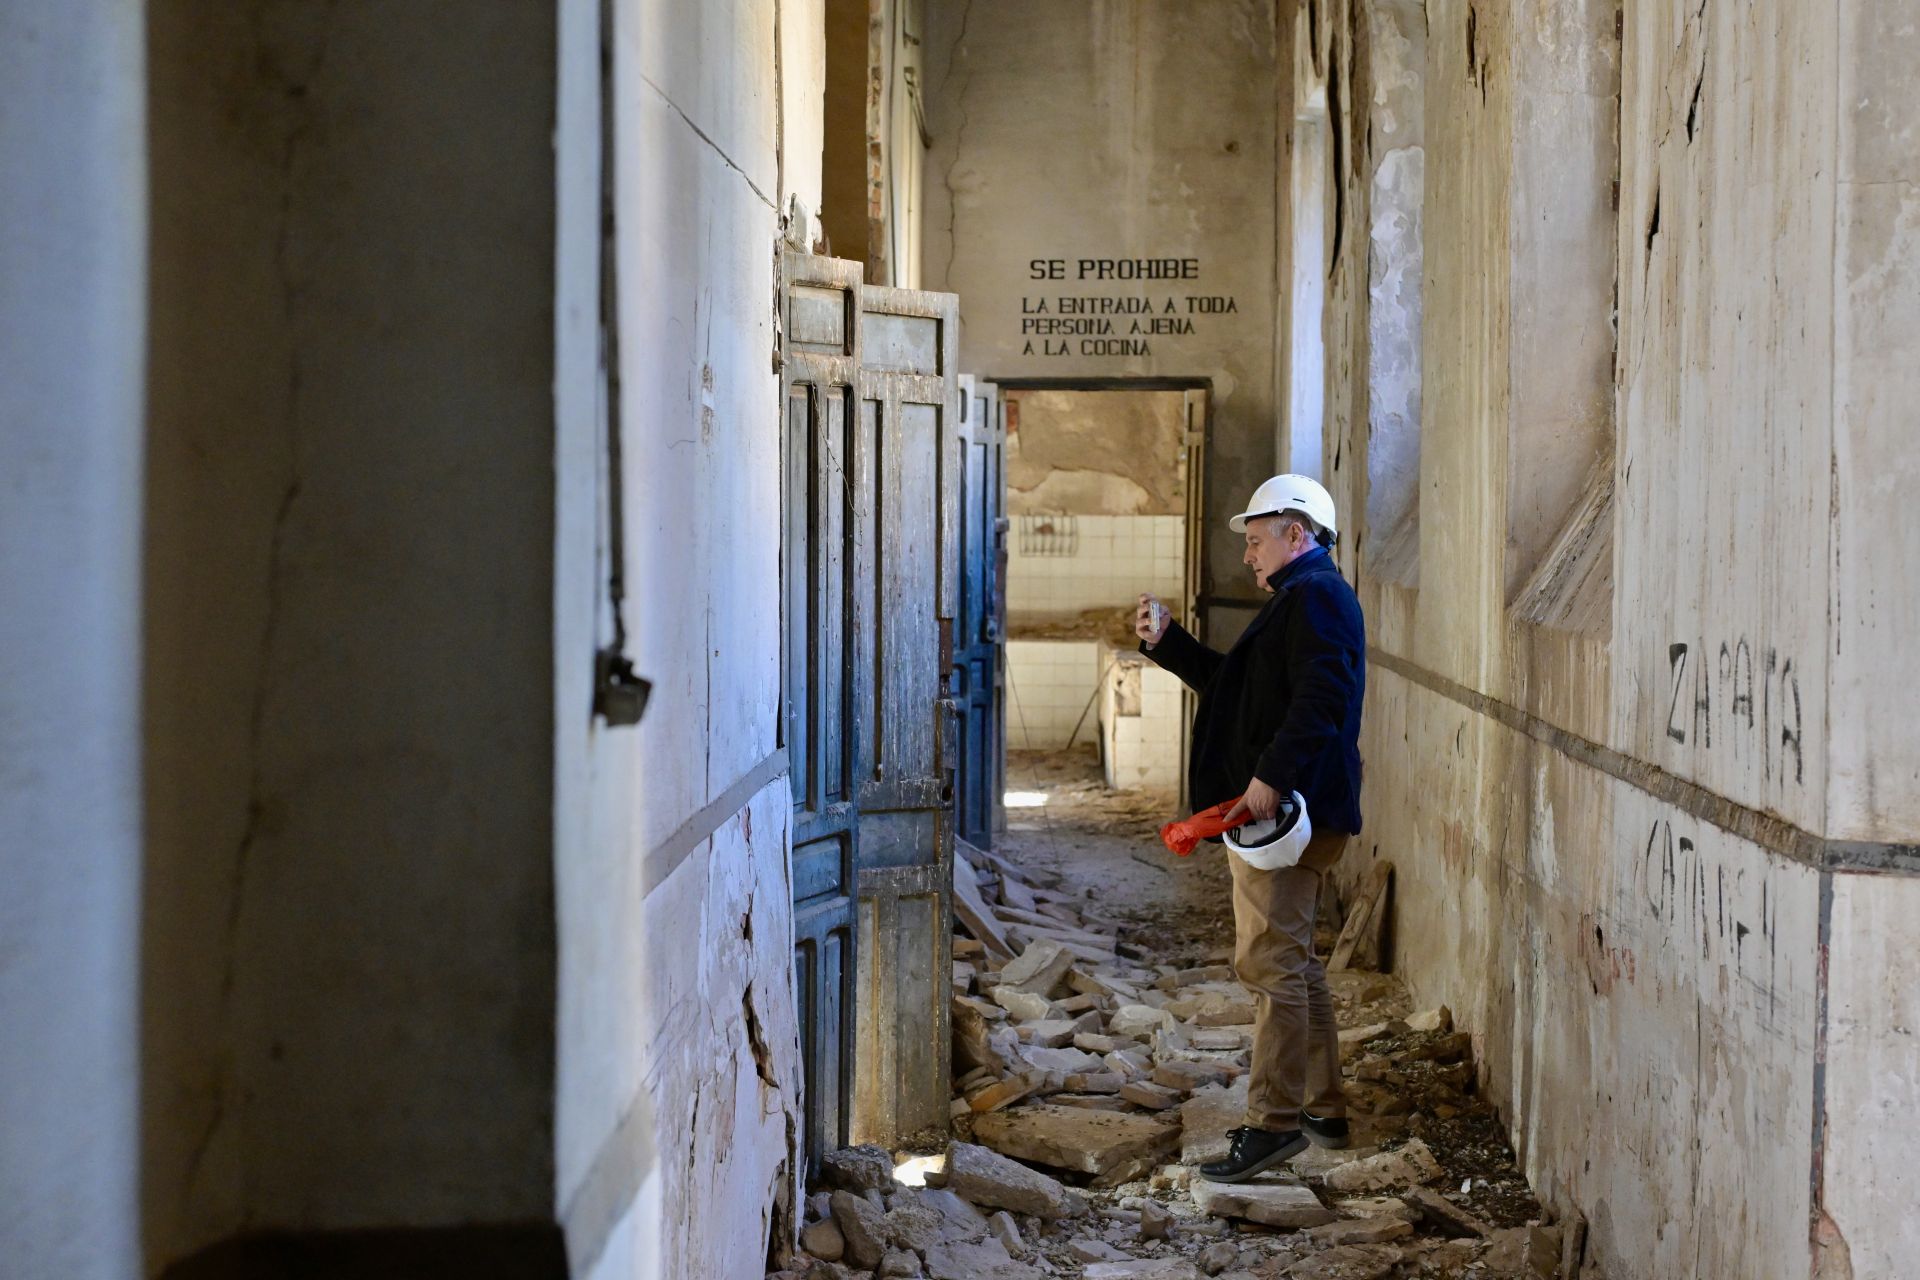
[{"x": 1272, "y": 545}]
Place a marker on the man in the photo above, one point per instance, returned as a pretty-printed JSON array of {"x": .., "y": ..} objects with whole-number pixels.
[{"x": 1279, "y": 712}]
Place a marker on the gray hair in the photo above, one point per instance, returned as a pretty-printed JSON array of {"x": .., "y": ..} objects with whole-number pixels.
[{"x": 1276, "y": 524}]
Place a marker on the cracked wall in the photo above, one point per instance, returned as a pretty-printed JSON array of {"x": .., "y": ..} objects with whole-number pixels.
[
  {"x": 348, "y": 943},
  {"x": 678, "y": 1089},
  {"x": 1623, "y": 743}
]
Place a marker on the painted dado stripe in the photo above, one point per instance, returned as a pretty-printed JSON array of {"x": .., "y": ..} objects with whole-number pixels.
[
  {"x": 1774, "y": 834},
  {"x": 662, "y": 862}
]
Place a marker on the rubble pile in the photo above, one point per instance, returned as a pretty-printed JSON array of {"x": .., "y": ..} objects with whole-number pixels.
[{"x": 1092, "y": 1078}]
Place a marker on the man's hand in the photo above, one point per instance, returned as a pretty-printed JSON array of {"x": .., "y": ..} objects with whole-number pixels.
[
  {"x": 1145, "y": 617},
  {"x": 1260, "y": 803}
]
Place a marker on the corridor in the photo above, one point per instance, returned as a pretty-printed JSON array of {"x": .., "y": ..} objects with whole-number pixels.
[
  {"x": 1116, "y": 1068},
  {"x": 567, "y": 656}
]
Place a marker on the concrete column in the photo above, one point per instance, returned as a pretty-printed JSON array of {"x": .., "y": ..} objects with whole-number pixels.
[{"x": 72, "y": 292}]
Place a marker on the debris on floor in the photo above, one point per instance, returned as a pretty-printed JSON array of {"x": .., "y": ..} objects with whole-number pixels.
[{"x": 1096, "y": 1063}]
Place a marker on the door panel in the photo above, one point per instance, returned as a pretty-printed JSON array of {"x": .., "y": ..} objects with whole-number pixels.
[
  {"x": 977, "y": 667},
  {"x": 825, "y": 567},
  {"x": 907, "y": 455}
]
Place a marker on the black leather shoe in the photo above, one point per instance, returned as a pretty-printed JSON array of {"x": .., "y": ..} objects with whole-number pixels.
[
  {"x": 1331, "y": 1132},
  {"x": 1254, "y": 1151}
]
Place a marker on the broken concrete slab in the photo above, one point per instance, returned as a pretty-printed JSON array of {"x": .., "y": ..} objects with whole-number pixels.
[
  {"x": 986, "y": 1259},
  {"x": 959, "y": 1219},
  {"x": 985, "y": 1177},
  {"x": 1381, "y": 1207},
  {"x": 1137, "y": 1020},
  {"x": 899, "y": 1264},
  {"x": 1348, "y": 1262},
  {"x": 1022, "y": 1004},
  {"x": 1361, "y": 1231},
  {"x": 1353, "y": 1037},
  {"x": 1003, "y": 1093},
  {"x": 1038, "y": 969},
  {"x": 859, "y": 1169},
  {"x": 1154, "y": 1097},
  {"x": 863, "y": 1226},
  {"x": 1144, "y": 1269},
  {"x": 1049, "y": 1033},
  {"x": 1440, "y": 1019},
  {"x": 1087, "y": 1249},
  {"x": 1090, "y": 1101},
  {"x": 1062, "y": 1060},
  {"x": 1406, "y": 1166},
  {"x": 1444, "y": 1213},
  {"x": 1290, "y": 1206},
  {"x": 1189, "y": 1075},
  {"x": 914, "y": 1224},
  {"x": 1205, "y": 1118},
  {"x": 1096, "y": 1142}
]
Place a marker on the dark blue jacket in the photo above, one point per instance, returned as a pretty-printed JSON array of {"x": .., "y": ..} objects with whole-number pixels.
[{"x": 1283, "y": 704}]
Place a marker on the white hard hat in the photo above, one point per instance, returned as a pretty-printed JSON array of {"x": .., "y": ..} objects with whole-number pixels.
[
  {"x": 1272, "y": 843},
  {"x": 1289, "y": 493}
]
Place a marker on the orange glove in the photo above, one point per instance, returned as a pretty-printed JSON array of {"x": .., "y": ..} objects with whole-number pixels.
[{"x": 1182, "y": 834}]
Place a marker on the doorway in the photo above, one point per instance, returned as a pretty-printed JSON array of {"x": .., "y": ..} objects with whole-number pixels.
[{"x": 1104, "y": 483}]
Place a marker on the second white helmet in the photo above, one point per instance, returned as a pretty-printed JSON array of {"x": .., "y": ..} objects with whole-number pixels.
[
  {"x": 1268, "y": 844},
  {"x": 1290, "y": 493}
]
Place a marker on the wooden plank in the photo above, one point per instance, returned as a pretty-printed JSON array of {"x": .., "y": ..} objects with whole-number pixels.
[
  {"x": 974, "y": 912},
  {"x": 1371, "y": 899}
]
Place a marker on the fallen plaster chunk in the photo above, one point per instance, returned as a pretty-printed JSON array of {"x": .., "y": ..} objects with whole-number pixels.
[
  {"x": 976, "y": 1260},
  {"x": 1137, "y": 1019},
  {"x": 1003, "y": 1228},
  {"x": 1023, "y": 1004},
  {"x": 899, "y": 1264},
  {"x": 1361, "y": 1231},
  {"x": 1216, "y": 1257},
  {"x": 1410, "y": 1164},
  {"x": 959, "y": 1219},
  {"x": 863, "y": 1226},
  {"x": 1038, "y": 969},
  {"x": 858, "y": 1169},
  {"x": 1444, "y": 1213},
  {"x": 1104, "y": 1144},
  {"x": 1144, "y": 1269},
  {"x": 988, "y": 1178},
  {"x": 1348, "y": 1262},
  {"x": 1152, "y": 1096},
  {"x": 1440, "y": 1019},
  {"x": 914, "y": 1224},
  {"x": 1287, "y": 1205},
  {"x": 1353, "y": 1037},
  {"x": 1087, "y": 1249}
]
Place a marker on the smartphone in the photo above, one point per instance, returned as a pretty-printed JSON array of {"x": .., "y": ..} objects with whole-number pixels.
[{"x": 1156, "y": 616}]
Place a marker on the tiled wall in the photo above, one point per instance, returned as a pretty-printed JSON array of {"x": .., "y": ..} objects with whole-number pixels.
[
  {"x": 1049, "y": 684},
  {"x": 1113, "y": 559},
  {"x": 1142, "y": 715}
]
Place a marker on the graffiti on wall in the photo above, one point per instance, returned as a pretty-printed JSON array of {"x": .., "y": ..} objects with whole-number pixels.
[
  {"x": 1725, "y": 908},
  {"x": 1735, "y": 698}
]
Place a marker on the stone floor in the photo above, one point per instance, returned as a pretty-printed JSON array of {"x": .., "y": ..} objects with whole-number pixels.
[{"x": 1100, "y": 1047}]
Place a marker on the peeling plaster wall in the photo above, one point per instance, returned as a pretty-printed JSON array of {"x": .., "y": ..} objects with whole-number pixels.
[
  {"x": 1690, "y": 1029},
  {"x": 678, "y": 1096},
  {"x": 1109, "y": 130}
]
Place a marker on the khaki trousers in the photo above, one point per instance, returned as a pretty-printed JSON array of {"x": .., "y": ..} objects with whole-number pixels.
[{"x": 1296, "y": 1044}]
